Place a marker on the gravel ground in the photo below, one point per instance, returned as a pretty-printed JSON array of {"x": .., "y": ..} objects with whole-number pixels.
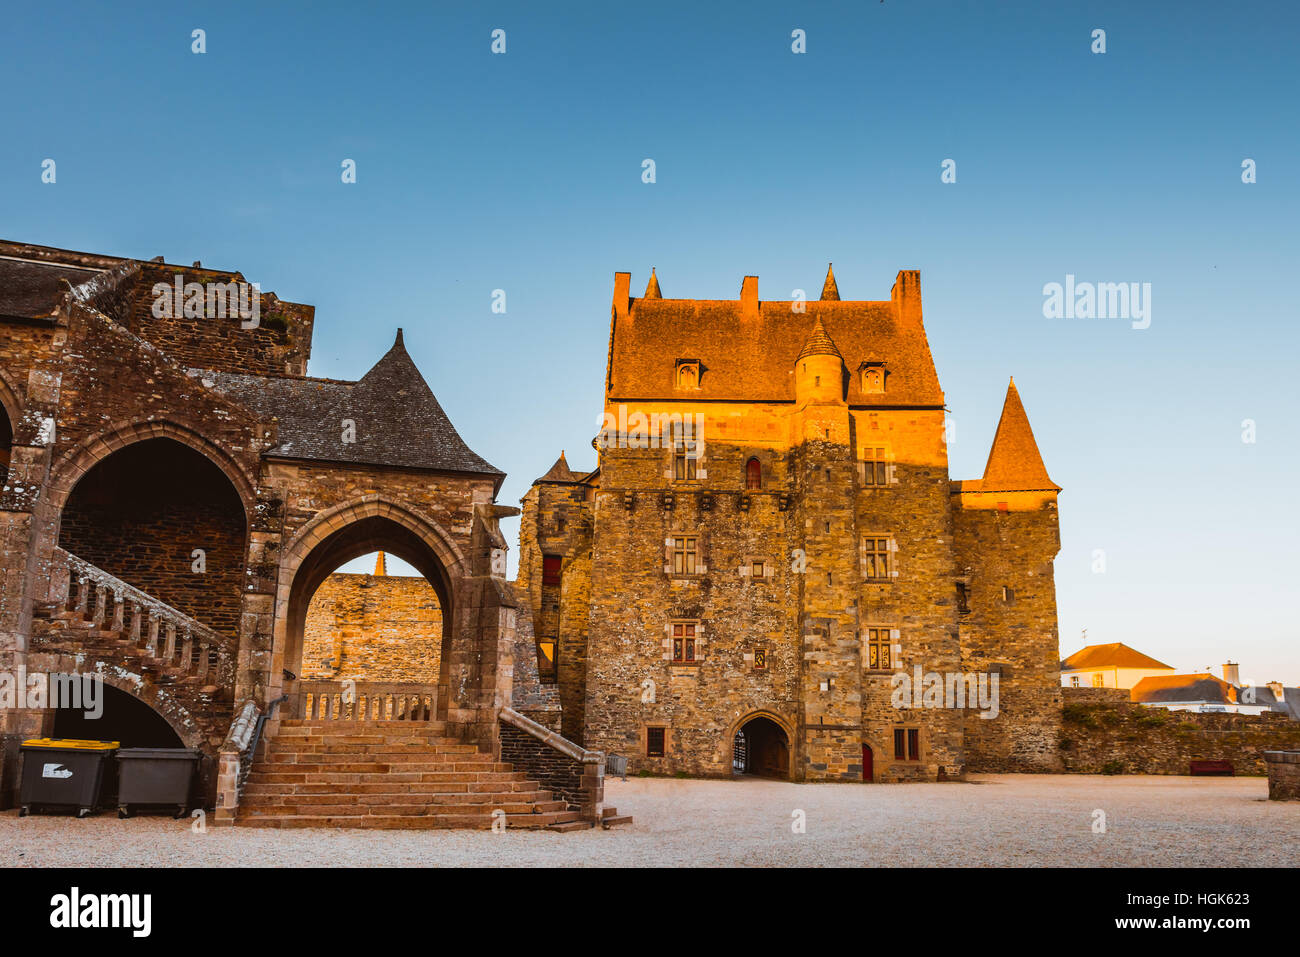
[{"x": 992, "y": 820}]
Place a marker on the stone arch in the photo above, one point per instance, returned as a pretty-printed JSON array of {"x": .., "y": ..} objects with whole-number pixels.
[
  {"x": 783, "y": 724},
  {"x": 10, "y": 398},
  {"x": 90, "y": 451},
  {"x": 9, "y": 413},
  {"x": 350, "y": 530},
  {"x": 164, "y": 704}
]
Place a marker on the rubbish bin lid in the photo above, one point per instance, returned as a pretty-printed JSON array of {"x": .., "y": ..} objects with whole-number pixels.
[
  {"x": 70, "y": 744},
  {"x": 156, "y": 753}
]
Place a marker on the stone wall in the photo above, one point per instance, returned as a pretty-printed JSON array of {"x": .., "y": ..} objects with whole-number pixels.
[
  {"x": 1121, "y": 738},
  {"x": 577, "y": 783},
  {"x": 140, "y": 515},
  {"x": 1004, "y": 560},
  {"x": 1283, "y": 775},
  {"x": 373, "y": 628}
]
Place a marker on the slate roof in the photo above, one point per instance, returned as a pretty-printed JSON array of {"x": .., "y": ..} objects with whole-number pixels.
[
  {"x": 398, "y": 420},
  {"x": 560, "y": 472},
  {"x": 1197, "y": 687},
  {"x": 1014, "y": 463},
  {"x": 1114, "y": 655},
  {"x": 752, "y": 358},
  {"x": 31, "y": 290}
]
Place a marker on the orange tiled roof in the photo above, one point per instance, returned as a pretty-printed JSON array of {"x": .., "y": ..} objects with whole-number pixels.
[
  {"x": 1197, "y": 687},
  {"x": 1014, "y": 463},
  {"x": 750, "y": 358},
  {"x": 1114, "y": 655}
]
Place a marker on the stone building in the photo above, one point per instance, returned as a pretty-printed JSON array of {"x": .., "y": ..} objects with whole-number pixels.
[
  {"x": 176, "y": 489},
  {"x": 772, "y": 542}
]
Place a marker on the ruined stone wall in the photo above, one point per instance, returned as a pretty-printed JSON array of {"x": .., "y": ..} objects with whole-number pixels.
[
  {"x": 1015, "y": 635},
  {"x": 373, "y": 628},
  {"x": 1114, "y": 738},
  {"x": 279, "y": 345}
]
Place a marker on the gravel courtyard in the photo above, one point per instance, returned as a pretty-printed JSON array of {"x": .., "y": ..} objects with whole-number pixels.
[{"x": 998, "y": 820}]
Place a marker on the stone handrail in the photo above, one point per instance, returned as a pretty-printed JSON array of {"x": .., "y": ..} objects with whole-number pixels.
[
  {"x": 552, "y": 738},
  {"x": 568, "y": 770},
  {"x": 348, "y": 700},
  {"x": 113, "y": 605},
  {"x": 232, "y": 760}
]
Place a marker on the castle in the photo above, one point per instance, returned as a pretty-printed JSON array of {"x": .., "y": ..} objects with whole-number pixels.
[
  {"x": 772, "y": 536},
  {"x": 770, "y": 540}
]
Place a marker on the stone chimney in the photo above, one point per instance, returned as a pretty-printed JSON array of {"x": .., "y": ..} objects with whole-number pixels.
[{"x": 1231, "y": 673}]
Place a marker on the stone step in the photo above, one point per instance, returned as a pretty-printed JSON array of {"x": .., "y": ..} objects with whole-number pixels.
[
  {"x": 458, "y": 798},
  {"x": 406, "y": 822},
  {"x": 339, "y": 774},
  {"x": 462, "y": 788},
  {"x": 616, "y": 820},
  {"x": 340, "y": 808},
  {"x": 564, "y": 827},
  {"x": 314, "y": 760}
]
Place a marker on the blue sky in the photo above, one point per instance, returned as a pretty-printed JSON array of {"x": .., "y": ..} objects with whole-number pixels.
[{"x": 523, "y": 172}]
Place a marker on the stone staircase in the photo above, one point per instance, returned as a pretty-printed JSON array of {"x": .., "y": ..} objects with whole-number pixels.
[
  {"x": 389, "y": 774},
  {"x": 95, "y": 619}
]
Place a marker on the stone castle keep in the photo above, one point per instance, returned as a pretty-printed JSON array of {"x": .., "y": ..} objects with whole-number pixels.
[
  {"x": 738, "y": 596},
  {"x": 732, "y": 593}
]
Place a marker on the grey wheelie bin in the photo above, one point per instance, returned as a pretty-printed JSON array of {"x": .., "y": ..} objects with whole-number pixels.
[
  {"x": 153, "y": 776},
  {"x": 63, "y": 772}
]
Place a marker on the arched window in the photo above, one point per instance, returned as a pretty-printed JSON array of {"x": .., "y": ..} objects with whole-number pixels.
[{"x": 753, "y": 474}]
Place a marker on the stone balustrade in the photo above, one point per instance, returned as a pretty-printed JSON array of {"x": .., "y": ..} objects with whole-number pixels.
[
  {"x": 348, "y": 700},
  {"x": 157, "y": 629}
]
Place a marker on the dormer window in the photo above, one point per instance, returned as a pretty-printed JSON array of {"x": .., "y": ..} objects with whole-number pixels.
[
  {"x": 688, "y": 374},
  {"x": 873, "y": 377}
]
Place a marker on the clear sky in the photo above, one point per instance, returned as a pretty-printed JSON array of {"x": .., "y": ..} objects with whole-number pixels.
[{"x": 522, "y": 172}]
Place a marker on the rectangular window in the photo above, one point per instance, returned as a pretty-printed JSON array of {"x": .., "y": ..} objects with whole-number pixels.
[
  {"x": 757, "y": 569},
  {"x": 683, "y": 642},
  {"x": 875, "y": 468},
  {"x": 907, "y": 744},
  {"x": 685, "y": 554},
  {"x": 879, "y": 649},
  {"x": 654, "y": 742},
  {"x": 760, "y": 659},
  {"x": 551, "y": 570},
  {"x": 686, "y": 451},
  {"x": 963, "y": 600},
  {"x": 877, "y": 558},
  {"x": 1074, "y": 681},
  {"x": 1099, "y": 680}
]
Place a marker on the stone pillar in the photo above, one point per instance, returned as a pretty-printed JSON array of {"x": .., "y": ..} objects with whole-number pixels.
[{"x": 1283, "y": 775}]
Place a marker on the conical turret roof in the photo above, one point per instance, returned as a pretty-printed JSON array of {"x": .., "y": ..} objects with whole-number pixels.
[
  {"x": 819, "y": 343},
  {"x": 652, "y": 287},
  {"x": 1015, "y": 464},
  {"x": 830, "y": 291}
]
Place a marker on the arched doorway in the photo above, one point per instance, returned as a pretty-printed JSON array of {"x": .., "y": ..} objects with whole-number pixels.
[
  {"x": 164, "y": 518},
  {"x": 124, "y": 718},
  {"x": 425, "y": 663},
  {"x": 6, "y": 440},
  {"x": 761, "y": 747},
  {"x": 374, "y": 619}
]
